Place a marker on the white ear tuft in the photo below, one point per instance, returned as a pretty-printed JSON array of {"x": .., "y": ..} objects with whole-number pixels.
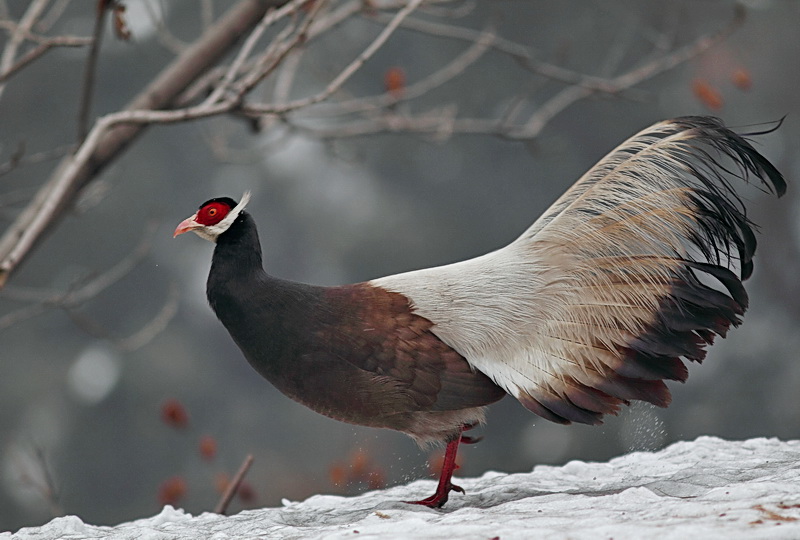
[{"x": 242, "y": 203}]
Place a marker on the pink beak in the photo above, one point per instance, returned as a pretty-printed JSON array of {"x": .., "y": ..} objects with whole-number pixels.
[{"x": 186, "y": 225}]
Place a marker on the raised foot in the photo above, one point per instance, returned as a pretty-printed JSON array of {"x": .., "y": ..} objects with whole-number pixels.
[{"x": 466, "y": 439}]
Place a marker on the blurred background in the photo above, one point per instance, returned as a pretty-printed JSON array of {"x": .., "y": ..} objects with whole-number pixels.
[{"x": 137, "y": 396}]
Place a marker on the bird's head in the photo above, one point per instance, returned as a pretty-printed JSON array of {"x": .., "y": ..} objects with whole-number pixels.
[{"x": 213, "y": 218}]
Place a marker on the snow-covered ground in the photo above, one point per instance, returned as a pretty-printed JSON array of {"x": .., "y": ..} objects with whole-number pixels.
[{"x": 708, "y": 488}]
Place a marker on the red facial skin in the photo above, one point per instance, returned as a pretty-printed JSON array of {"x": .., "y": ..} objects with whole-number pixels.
[
  {"x": 212, "y": 213},
  {"x": 208, "y": 215}
]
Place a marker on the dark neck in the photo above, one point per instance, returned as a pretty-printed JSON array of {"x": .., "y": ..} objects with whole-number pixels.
[
  {"x": 253, "y": 306},
  {"x": 238, "y": 251}
]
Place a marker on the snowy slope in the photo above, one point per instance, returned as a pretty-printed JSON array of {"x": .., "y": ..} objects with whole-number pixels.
[{"x": 709, "y": 488}]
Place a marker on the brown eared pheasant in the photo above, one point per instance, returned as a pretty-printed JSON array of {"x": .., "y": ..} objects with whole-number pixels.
[{"x": 632, "y": 272}]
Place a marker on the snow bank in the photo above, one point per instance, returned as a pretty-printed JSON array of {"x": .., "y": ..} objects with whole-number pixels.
[{"x": 709, "y": 488}]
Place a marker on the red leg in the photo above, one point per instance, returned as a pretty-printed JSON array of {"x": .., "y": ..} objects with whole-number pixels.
[{"x": 449, "y": 466}]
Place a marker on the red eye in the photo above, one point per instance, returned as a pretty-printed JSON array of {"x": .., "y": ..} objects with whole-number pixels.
[{"x": 212, "y": 213}]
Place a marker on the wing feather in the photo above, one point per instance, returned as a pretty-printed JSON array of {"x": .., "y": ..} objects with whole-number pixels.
[{"x": 629, "y": 272}]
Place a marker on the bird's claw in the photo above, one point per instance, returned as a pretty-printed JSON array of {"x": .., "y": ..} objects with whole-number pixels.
[{"x": 438, "y": 499}]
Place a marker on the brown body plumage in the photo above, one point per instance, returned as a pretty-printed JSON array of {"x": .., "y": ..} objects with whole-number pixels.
[{"x": 630, "y": 272}]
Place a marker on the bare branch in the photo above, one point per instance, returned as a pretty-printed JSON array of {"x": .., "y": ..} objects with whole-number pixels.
[
  {"x": 443, "y": 122},
  {"x": 420, "y": 88},
  {"x": 141, "y": 337},
  {"x": 658, "y": 65},
  {"x": 23, "y": 314},
  {"x": 225, "y": 90},
  {"x": 44, "y": 300},
  {"x": 679, "y": 56},
  {"x": 211, "y": 80},
  {"x": 49, "y": 19},
  {"x": 346, "y": 73},
  {"x": 286, "y": 75},
  {"x": 19, "y": 157},
  {"x": 247, "y": 48},
  {"x": 18, "y": 35},
  {"x": 171, "y": 42},
  {"x": 34, "y": 471},
  {"x": 89, "y": 70},
  {"x": 79, "y": 293},
  {"x": 515, "y": 50},
  {"x": 45, "y": 44},
  {"x": 48, "y": 488},
  {"x": 157, "y": 324},
  {"x": 233, "y": 486},
  {"x": 60, "y": 191}
]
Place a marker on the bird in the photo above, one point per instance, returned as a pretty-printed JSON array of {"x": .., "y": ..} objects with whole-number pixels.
[{"x": 627, "y": 276}]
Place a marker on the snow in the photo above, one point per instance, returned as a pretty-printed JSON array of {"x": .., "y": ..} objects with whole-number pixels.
[{"x": 707, "y": 488}]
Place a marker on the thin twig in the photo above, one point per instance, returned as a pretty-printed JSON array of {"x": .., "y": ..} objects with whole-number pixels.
[
  {"x": 169, "y": 40},
  {"x": 52, "y": 16},
  {"x": 286, "y": 76},
  {"x": 219, "y": 79},
  {"x": 515, "y": 50},
  {"x": 79, "y": 293},
  {"x": 140, "y": 337},
  {"x": 442, "y": 125},
  {"x": 48, "y": 489},
  {"x": 35, "y": 472},
  {"x": 437, "y": 79},
  {"x": 343, "y": 75},
  {"x": 89, "y": 70},
  {"x": 279, "y": 49},
  {"x": 19, "y": 158},
  {"x": 213, "y": 105},
  {"x": 63, "y": 186},
  {"x": 32, "y": 14},
  {"x": 43, "y": 46},
  {"x": 155, "y": 326},
  {"x": 212, "y": 79},
  {"x": 111, "y": 133},
  {"x": 658, "y": 65},
  {"x": 246, "y": 50},
  {"x": 233, "y": 487}
]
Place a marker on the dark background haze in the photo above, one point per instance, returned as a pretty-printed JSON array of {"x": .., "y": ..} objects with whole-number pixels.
[{"x": 347, "y": 211}]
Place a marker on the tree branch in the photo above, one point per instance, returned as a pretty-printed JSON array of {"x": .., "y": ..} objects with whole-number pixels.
[
  {"x": 228, "y": 88},
  {"x": 44, "y": 45},
  {"x": 443, "y": 122},
  {"x": 60, "y": 191},
  {"x": 81, "y": 292},
  {"x": 440, "y": 77},
  {"x": 18, "y": 35},
  {"x": 233, "y": 486},
  {"x": 346, "y": 73},
  {"x": 88, "y": 72}
]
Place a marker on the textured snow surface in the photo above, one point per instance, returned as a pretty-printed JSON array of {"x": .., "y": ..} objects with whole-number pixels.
[{"x": 709, "y": 488}]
